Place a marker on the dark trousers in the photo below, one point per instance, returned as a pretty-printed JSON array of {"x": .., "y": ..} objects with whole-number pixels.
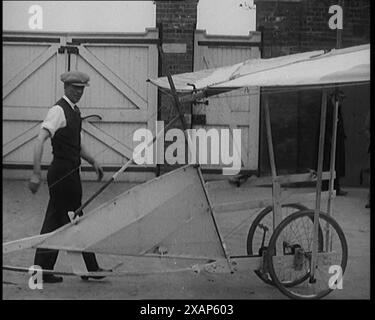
[{"x": 65, "y": 191}]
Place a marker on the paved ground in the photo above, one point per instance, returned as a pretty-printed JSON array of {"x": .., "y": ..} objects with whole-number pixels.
[{"x": 23, "y": 214}]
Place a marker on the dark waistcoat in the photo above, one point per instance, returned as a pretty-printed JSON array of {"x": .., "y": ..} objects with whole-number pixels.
[{"x": 66, "y": 143}]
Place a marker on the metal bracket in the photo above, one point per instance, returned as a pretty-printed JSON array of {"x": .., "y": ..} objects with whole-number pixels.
[
  {"x": 68, "y": 49},
  {"x": 298, "y": 259},
  {"x": 264, "y": 266},
  {"x": 201, "y": 102},
  {"x": 199, "y": 119}
]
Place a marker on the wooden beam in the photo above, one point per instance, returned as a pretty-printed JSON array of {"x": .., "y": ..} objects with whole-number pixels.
[
  {"x": 276, "y": 188},
  {"x": 25, "y": 243},
  {"x": 28, "y": 70},
  {"x": 262, "y": 203},
  {"x": 20, "y": 140},
  {"x": 246, "y": 263},
  {"x": 254, "y": 180},
  {"x": 333, "y": 154},
  {"x": 228, "y": 44},
  {"x": 269, "y": 137},
  {"x": 239, "y": 118},
  {"x": 109, "y": 141},
  {"x": 152, "y": 91},
  {"x": 323, "y": 115},
  {"x": 328, "y": 240},
  {"x": 118, "y": 83}
]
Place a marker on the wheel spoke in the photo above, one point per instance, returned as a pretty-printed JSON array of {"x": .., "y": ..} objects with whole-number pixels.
[{"x": 255, "y": 235}]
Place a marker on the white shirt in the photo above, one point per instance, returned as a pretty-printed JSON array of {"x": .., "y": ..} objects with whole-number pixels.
[{"x": 55, "y": 118}]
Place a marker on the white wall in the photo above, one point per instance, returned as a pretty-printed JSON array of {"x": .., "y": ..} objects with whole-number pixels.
[
  {"x": 224, "y": 17},
  {"x": 81, "y": 16}
]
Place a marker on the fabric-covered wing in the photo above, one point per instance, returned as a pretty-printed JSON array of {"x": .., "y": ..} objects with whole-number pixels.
[
  {"x": 170, "y": 211},
  {"x": 310, "y": 68}
]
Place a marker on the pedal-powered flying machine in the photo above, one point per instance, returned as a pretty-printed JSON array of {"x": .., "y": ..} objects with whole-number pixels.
[{"x": 173, "y": 216}]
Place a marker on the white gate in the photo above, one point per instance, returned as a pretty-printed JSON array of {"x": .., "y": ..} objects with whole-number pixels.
[
  {"x": 118, "y": 66},
  {"x": 237, "y": 109}
]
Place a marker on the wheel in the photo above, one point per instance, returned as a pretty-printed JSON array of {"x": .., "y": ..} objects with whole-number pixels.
[
  {"x": 262, "y": 226},
  {"x": 295, "y": 235},
  {"x": 260, "y": 233}
]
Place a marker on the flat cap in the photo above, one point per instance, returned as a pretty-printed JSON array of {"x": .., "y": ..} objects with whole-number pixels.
[{"x": 76, "y": 78}]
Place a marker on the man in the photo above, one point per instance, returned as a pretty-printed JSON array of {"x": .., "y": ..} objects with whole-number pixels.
[{"x": 63, "y": 126}]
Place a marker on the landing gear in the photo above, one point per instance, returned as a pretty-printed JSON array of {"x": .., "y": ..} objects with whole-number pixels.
[
  {"x": 260, "y": 234},
  {"x": 291, "y": 272}
]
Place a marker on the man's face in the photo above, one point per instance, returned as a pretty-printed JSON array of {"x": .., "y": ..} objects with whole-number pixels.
[{"x": 74, "y": 93}]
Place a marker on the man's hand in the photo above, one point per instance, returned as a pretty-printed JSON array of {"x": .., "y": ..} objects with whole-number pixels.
[
  {"x": 99, "y": 170},
  {"x": 85, "y": 154},
  {"x": 34, "y": 183}
]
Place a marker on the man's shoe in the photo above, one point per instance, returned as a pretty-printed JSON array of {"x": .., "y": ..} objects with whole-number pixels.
[
  {"x": 50, "y": 278},
  {"x": 95, "y": 277},
  {"x": 341, "y": 193}
]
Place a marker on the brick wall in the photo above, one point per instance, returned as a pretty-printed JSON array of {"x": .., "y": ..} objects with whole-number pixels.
[
  {"x": 288, "y": 26},
  {"x": 291, "y": 26},
  {"x": 176, "y": 21}
]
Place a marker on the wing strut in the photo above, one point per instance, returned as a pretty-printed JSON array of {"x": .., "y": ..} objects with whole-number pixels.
[{"x": 177, "y": 105}]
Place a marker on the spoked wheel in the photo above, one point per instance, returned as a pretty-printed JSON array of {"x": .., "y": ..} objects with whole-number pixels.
[
  {"x": 261, "y": 230},
  {"x": 295, "y": 236},
  {"x": 262, "y": 227}
]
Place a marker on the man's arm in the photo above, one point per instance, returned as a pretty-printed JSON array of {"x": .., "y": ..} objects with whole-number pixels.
[
  {"x": 37, "y": 158},
  {"x": 90, "y": 159}
]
